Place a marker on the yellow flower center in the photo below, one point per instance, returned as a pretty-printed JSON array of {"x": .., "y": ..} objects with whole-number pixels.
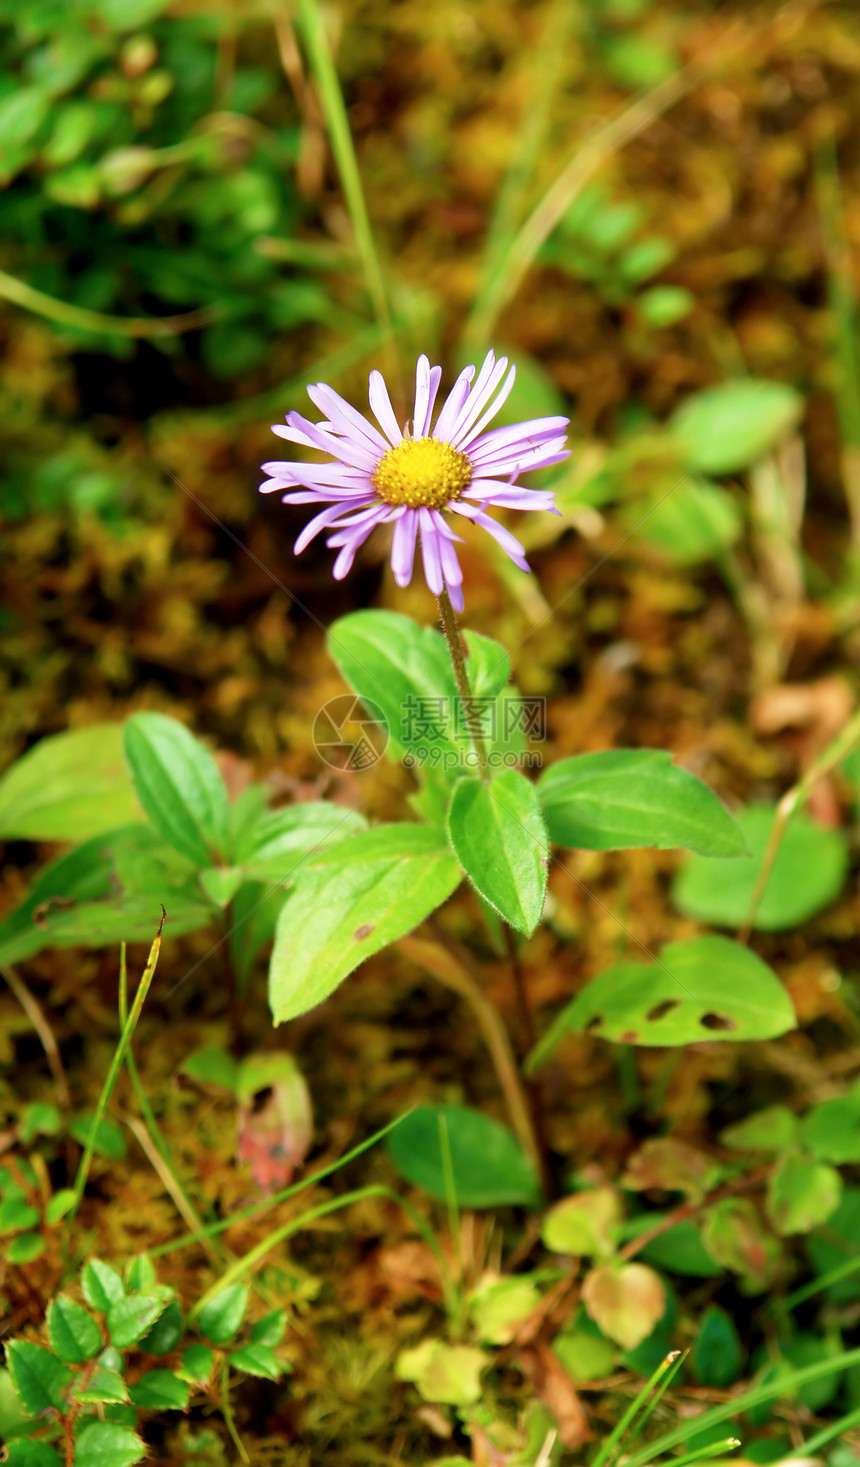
[{"x": 422, "y": 471}]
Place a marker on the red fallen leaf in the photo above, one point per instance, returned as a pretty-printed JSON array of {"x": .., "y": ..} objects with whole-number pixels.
[
  {"x": 556, "y": 1390},
  {"x": 275, "y": 1118}
]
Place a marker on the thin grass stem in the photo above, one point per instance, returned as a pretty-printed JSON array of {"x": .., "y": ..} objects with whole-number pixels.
[{"x": 636, "y": 1405}]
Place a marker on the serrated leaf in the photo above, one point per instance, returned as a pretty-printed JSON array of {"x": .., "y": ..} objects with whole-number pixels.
[
  {"x": 708, "y": 988},
  {"x": 625, "y": 798},
  {"x": 39, "y": 1378},
  {"x": 101, "y": 1284},
  {"x": 140, "y": 1273},
  {"x": 104, "y": 1387},
  {"x": 105, "y": 1444},
  {"x": 165, "y": 1334},
  {"x": 159, "y": 1390},
  {"x": 129, "y": 1319},
  {"x": 802, "y": 1194},
  {"x": 499, "y": 838},
  {"x": 73, "y": 1333},
  {"x": 23, "y": 1453},
  {"x": 808, "y": 874},
  {"x": 179, "y": 786},
  {"x": 219, "y": 1320},
  {"x": 728, "y": 427},
  {"x": 269, "y": 1330},
  {"x": 197, "y": 1363},
  {"x": 257, "y": 1360},
  {"x": 352, "y": 902},
  {"x": 488, "y": 1166},
  {"x": 68, "y": 787}
]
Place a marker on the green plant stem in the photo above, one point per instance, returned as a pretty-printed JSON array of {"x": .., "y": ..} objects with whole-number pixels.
[
  {"x": 324, "y": 1209},
  {"x": 528, "y": 1040},
  {"x": 827, "y": 1433},
  {"x": 844, "y": 743},
  {"x": 211, "y": 1230},
  {"x": 471, "y": 713},
  {"x": 343, "y": 148},
  {"x": 113, "y": 1072},
  {"x": 66, "y": 314},
  {"x": 667, "y": 1369},
  {"x": 227, "y": 1410}
]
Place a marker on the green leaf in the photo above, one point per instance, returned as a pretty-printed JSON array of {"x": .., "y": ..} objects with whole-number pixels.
[
  {"x": 679, "y": 1250},
  {"x": 68, "y": 787},
  {"x": 39, "y": 1378},
  {"x": 219, "y": 1320},
  {"x": 212, "y": 1067},
  {"x": 498, "y": 1306},
  {"x": 129, "y": 1319},
  {"x": 39, "y": 1119},
  {"x": 625, "y": 1300},
  {"x": 140, "y": 1273},
  {"x": 717, "y": 1354},
  {"x": 728, "y": 427},
  {"x": 269, "y": 1330},
  {"x": 831, "y": 1131},
  {"x": 273, "y": 847},
  {"x": 59, "y": 1205},
  {"x": 197, "y": 1363},
  {"x": 257, "y": 1360},
  {"x": 25, "y": 1248},
  {"x": 447, "y": 1374},
  {"x": 166, "y": 1333},
  {"x": 405, "y": 670},
  {"x": 104, "y": 1387},
  {"x": 837, "y": 1245},
  {"x": 72, "y": 1331},
  {"x": 694, "y": 522},
  {"x": 807, "y": 875},
  {"x": 771, "y": 1129},
  {"x": 104, "y": 1444},
  {"x": 352, "y": 902},
  {"x": 802, "y": 1194},
  {"x": 634, "y": 797},
  {"x": 499, "y": 839},
  {"x": 584, "y": 1224},
  {"x": 17, "y": 1215},
  {"x": 179, "y": 786},
  {"x": 109, "y": 1139},
  {"x": 221, "y": 883},
  {"x": 22, "y": 1453},
  {"x": 159, "y": 1390},
  {"x": 488, "y": 666},
  {"x": 488, "y": 1166},
  {"x": 662, "y": 306},
  {"x": 101, "y": 1284},
  {"x": 707, "y": 988}
]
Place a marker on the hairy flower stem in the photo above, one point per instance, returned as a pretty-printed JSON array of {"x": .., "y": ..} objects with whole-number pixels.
[
  {"x": 458, "y": 657},
  {"x": 538, "y": 1149}
]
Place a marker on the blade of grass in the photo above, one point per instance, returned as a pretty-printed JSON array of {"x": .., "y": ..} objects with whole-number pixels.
[
  {"x": 210, "y": 1230},
  {"x": 324, "y": 1209},
  {"x": 667, "y": 1368},
  {"x": 715, "y": 1449},
  {"x": 824, "y": 1280},
  {"x": 827, "y": 1434},
  {"x": 113, "y": 1071},
  {"x": 337, "y": 124},
  {"x": 66, "y": 314},
  {"x": 785, "y": 1386}
]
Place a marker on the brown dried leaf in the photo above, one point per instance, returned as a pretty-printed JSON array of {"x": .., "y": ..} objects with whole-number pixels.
[
  {"x": 554, "y": 1387},
  {"x": 669, "y": 1165}
]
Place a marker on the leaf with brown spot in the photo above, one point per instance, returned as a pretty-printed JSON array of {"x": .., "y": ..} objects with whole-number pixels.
[{"x": 626, "y": 1302}]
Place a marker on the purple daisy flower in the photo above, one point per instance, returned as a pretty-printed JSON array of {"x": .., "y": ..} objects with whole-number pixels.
[{"x": 412, "y": 479}]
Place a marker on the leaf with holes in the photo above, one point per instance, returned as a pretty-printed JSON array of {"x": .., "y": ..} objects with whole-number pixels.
[
  {"x": 488, "y": 1167},
  {"x": 807, "y": 875},
  {"x": 352, "y": 902},
  {"x": 708, "y": 988},
  {"x": 499, "y": 839},
  {"x": 624, "y": 798},
  {"x": 179, "y": 786}
]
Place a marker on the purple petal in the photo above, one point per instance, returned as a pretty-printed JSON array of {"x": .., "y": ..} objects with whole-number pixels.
[
  {"x": 347, "y": 419},
  {"x": 430, "y": 553},
  {"x": 323, "y": 474},
  {"x": 455, "y": 591},
  {"x": 356, "y": 455},
  {"x": 450, "y": 564},
  {"x": 526, "y": 435},
  {"x": 313, "y": 527},
  {"x": 427, "y": 381},
  {"x": 269, "y": 486},
  {"x": 504, "y": 394},
  {"x": 350, "y": 540},
  {"x": 509, "y": 496},
  {"x": 453, "y": 405},
  {"x": 382, "y": 409},
  {"x": 294, "y": 435},
  {"x": 403, "y": 547},
  {"x": 490, "y": 376},
  {"x": 509, "y": 543},
  {"x": 443, "y": 527}
]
